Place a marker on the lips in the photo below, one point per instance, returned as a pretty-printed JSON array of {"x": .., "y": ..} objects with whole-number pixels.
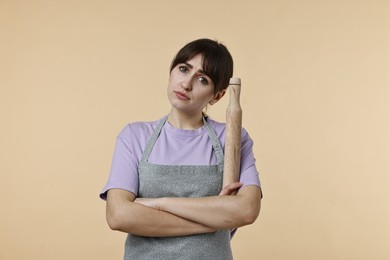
[{"x": 181, "y": 95}]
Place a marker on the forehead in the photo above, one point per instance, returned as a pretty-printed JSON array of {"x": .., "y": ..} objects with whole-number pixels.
[
  {"x": 197, "y": 63},
  {"x": 195, "y": 60}
]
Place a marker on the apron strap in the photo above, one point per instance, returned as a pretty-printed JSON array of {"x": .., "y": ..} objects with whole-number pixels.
[
  {"x": 153, "y": 139},
  {"x": 214, "y": 140}
]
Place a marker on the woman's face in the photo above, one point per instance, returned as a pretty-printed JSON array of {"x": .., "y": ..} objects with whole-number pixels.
[{"x": 189, "y": 88}]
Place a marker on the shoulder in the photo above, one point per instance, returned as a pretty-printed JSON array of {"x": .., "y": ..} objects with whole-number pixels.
[
  {"x": 136, "y": 134},
  {"x": 220, "y": 129},
  {"x": 137, "y": 129},
  {"x": 214, "y": 123}
]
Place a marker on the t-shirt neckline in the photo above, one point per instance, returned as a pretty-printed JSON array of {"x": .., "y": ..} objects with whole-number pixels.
[{"x": 184, "y": 132}]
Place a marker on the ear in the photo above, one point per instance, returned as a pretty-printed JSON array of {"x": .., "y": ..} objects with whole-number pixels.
[{"x": 217, "y": 97}]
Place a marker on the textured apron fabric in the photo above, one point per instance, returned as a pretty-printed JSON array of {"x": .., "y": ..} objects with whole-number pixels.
[{"x": 180, "y": 181}]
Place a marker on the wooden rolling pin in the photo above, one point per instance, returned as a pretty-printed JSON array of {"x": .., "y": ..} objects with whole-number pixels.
[{"x": 232, "y": 155}]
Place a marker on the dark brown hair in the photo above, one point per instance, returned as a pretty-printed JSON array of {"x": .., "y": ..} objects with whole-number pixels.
[{"x": 217, "y": 60}]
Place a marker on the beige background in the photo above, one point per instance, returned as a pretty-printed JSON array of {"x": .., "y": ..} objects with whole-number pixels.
[{"x": 316, "y": 100}]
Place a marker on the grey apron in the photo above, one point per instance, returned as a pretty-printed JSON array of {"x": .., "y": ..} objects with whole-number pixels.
[{"x": 180, "y": 181}]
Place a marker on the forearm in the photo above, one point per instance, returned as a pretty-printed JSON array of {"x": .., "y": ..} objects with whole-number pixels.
[
  {"x": 137, "y": 219},
  {"x": 218, "y": 212}
]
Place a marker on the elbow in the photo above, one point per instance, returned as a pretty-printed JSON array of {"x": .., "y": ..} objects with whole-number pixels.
[
  {"x": 115, "y": 220},
  {"x": 117, "y": 209},
  {"x": 250, "y": 214},
  {"x": 250, "y": 217},
  {"x": 250, "y": 205}
]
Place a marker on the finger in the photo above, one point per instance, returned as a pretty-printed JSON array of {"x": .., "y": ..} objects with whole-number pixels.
[
  {"x": 234, "y": 185},
  {"x": 230, "y": 188}
]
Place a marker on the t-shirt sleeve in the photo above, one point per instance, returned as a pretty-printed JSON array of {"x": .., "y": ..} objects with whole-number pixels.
[
  {"x": 124, "y": 168},
  {"x": 249, "y": 174}
]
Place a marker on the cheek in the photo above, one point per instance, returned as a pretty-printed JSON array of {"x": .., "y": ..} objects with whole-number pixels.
[
  {"x": 173, "y": 80},
  {"x": 207, "y": 96},
  {"x": 170, "y": 83}
]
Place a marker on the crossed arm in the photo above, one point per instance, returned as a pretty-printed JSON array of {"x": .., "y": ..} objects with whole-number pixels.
[{"x": 182, "y": 216}]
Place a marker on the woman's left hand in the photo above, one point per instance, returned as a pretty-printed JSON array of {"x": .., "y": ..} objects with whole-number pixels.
[{"x": 231, "y": 189}]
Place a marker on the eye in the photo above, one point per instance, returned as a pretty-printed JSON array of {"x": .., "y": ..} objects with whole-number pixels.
[
  {"x": 203, "y": 80},
  {"x": 183, "y": 68}
]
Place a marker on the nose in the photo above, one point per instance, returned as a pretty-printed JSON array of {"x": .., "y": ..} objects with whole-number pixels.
[{"x": 186, "y": 83}]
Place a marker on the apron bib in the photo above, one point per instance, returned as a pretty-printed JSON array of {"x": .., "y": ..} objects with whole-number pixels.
[{"x": 180, "y": 181}]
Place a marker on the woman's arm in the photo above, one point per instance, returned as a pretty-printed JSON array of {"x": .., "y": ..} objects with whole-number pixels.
[
  {"x": 126, "y": 216},
  {"x": 218, "y": 212}
]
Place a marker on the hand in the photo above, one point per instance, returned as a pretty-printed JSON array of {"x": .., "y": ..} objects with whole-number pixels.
[{"x": 231, "y": 189}]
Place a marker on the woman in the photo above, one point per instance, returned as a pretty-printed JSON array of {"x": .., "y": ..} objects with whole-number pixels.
[{"x": 165, "y": 186}]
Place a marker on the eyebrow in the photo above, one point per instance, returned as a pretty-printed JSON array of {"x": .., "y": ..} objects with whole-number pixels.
[{"x": 201, "y": 71}]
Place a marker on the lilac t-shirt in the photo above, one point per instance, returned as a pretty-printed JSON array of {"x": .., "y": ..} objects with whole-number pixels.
[{"x": 173, "y": 147}]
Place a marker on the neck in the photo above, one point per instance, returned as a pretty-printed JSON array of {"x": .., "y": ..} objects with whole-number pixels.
[{"x": 185, "y": 121}]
